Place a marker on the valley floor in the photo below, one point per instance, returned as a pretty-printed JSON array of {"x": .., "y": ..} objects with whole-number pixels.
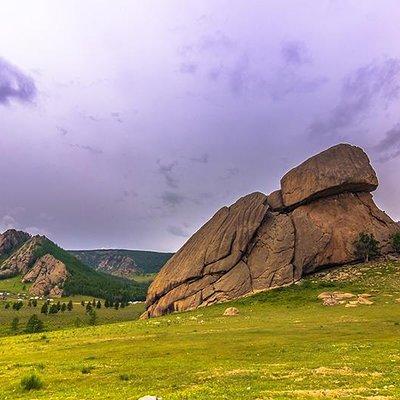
[{"x": 284, "y": 344}]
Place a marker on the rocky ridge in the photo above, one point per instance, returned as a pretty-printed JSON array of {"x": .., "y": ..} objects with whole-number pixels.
[{"x": 262, "y": 242}]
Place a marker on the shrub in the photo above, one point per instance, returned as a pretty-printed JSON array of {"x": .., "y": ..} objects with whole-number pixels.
[
  {"x": 70, "y": 306},
  {"x": 45, "y": 308},
  {"x": 396, "y": 242},
  {"x": 87, "y": 369},
  {"x": 92, "y": 317},
  {"x": 34, "y": 325},
  {"x": 367, "y": 246},
  {"x": 124, "y": 377},
  {"x": 14, "y": 324},
  {"x": 31, "y": 382},
  {"x": 63, "y": 307}
]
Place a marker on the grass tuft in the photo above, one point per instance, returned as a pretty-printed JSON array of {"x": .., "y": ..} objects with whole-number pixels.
[{"x": 31, "y": 382}]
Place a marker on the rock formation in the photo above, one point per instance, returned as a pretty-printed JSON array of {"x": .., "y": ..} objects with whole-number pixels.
[
  {"x": 262, "y": 242},
  {"x": 48, "y": 276},
  {"x": 12, "y": 239}
]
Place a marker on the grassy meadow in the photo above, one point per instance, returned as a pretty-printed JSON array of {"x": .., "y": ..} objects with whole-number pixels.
[{"x": 284, "y": 344}]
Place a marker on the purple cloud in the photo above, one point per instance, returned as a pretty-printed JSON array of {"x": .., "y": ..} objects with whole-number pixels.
[
  {"x": 14, "y": 84},
  {"x": 295, "y": 53}
]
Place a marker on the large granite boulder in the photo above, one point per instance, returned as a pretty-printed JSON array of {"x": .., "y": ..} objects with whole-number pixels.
[
  {"x": 264, "y": 242},
  {"x": 342, "y": 168}
]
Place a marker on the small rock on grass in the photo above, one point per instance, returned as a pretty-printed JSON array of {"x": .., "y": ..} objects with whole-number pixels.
[
  {"x": 150, "y": 398},
  {"x": 231, "y": 311}
]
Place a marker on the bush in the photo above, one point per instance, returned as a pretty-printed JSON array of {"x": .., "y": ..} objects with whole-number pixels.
[
  {"x": 14, "y": 324},
  {"x": 31, "y": 382},
  {"x": 396, "y": 242},
  {"x": 70, "y": 306},
  {"x": 367, "y": 246},
  {"x": 92, "y": 317},
  {"x": 45, "y": 308},
  {"x": 34, "y": 325},
  {"x": 87, "y": 369},
  {"x": 124, "y": 377}
]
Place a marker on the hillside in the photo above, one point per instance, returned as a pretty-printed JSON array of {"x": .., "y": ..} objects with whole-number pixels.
[
  {"x": 49, "y": 270},
  {"x": 121, "y": 262},
  {"x": 284, "y": 344}
]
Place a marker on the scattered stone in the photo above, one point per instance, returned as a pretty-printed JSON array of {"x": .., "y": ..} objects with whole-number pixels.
[
  {"x": 348, "y": 305},
  {"x": 365, "y": 301},
  {"x": 150, "y": 398},
  {"x": 231, "y": 311}
]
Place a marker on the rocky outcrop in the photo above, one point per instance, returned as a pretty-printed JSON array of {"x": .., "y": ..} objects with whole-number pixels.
[
  {"x": 22, "y": 260},
  {"x": 11, "y": 239},
  {"x": 342, "y": 168},
  {"x": 262, "y": 242},
  {"x": 48, "y": 276}
]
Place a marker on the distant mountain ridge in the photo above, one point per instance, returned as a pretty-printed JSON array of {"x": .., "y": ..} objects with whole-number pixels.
[
  {"x": 54, "y": 272},
  {"x": 122, "y": 262}
]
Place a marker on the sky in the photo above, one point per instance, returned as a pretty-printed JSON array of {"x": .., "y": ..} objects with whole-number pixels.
[{"x": 128, "y": 124}]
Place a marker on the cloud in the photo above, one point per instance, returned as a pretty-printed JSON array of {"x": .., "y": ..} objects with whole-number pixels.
[
  {"x": 295, "y": 53},
  {"x": 62, "y": 130},
  {"x": 361, "y": 90},
  {"x": 389, "y": 147},
  {"x": 172, "y": 199},
  {"x": 117, "y": 117},
  {"x": 203, "y": 159},
  {"x": 166, "y": 170},
  {"x": 188, "y": 68},
  {"x": 177, "y": 231},
  {"x": 87, "y": 148},
  {"x": 14, "y": 84}
]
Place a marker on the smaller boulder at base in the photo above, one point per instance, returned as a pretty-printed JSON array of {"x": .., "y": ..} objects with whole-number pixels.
[{"x": 231, "y": 311}]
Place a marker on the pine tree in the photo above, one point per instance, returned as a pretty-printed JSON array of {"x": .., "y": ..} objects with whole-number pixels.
[
  {"x": 70, "y": 306},
  {"x": 88, "y": 307},
  {"x": 14, "y": 324},
  {"x": 63, "y": 307},
  {"x": 45, "y": 308},
  {"x": 83, "y": 303},
  {"x": 106, "y": 303},
  {"x": 34, "y": 324},
  {"x": 92, "y": 317},
  {"x": 58, "y": 306},
  {"x": 53, "y": 309},
  {"x": 116, "y": 305},
  {"x": 94, "y": 303},
  {"x": 98, "y": 305}
]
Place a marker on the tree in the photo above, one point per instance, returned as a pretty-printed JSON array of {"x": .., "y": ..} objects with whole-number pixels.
[
  {"x": 45, "y": 308},
  {"x": 116, "y": 305},
  {"x": 94, "y": 303},
  {"x": 34, "y": 303},
  {"x": 70, "y": 306},
  {"x": 88, "y": 307},
  {"x": 58, "y": 306},
  {"x": 14, "y": 324},
  {"x": 98, "y": 304},
  {"x": 53, "y": 309},
  {"x": 34, "y": 325},
  {"x": 63, "y": 307},
  {"x": 106, "y": 303},
  {"x": 7, "y": 306},
  {"x": 366, "y": 246},
  {"x": 396, "y": 242},
  {"x": 83, "y": 303},
  {"x": 92, "y": 317},
  {"x": 17, "y": 305}
]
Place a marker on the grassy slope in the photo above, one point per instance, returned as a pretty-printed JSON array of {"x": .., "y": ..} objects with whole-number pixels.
[
  {"x": 283, "y": 345},
  {"x": 148, "y": 261}
]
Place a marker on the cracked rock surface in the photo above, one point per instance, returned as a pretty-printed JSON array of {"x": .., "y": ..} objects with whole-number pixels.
[{"x": 261, "y": 242}]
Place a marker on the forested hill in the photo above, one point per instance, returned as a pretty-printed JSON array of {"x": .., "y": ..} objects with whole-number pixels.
[{"x": 122, "y": 262}]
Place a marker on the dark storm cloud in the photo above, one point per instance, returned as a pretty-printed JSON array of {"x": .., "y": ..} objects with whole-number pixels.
[
  {"x": 389, "y": 147},
  {"x": 14, "y": 84},
  {"x": 172, "y": 199},
  {"x": 167, "y": 171},
  {"x": 361, "y": 90},
  {"x": 177, "y": 231},
  {"x": 295, "y": 53}
]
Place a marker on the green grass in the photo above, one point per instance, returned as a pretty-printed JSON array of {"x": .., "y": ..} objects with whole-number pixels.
[
  {"x": 63, "y": 320},
  {"x": 284, "y": 344},
  {"x": 14, "y": 285},
  {"x": 143, "y": 278}
]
